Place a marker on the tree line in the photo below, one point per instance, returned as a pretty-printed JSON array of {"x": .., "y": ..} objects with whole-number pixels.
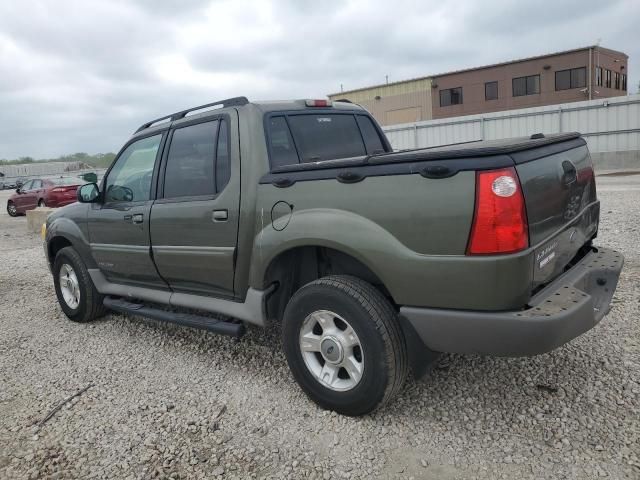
[{"x": 98, "y": 160}]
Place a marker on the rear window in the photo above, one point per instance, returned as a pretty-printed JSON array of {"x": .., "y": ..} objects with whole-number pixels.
[
  {"x": 65, "y": 181},
  {"x": 318, "y": 137}
]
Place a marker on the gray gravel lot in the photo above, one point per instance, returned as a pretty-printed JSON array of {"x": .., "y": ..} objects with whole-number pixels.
[{"x": 172, "y": 402}]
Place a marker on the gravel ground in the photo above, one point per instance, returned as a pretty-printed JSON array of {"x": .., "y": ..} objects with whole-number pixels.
[{"x": 172, "y": 402}]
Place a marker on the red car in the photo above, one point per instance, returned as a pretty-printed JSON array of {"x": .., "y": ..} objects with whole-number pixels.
[{"x": 45, "y": 192}]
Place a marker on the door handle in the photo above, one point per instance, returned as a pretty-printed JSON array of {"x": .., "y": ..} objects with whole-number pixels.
[
  {"x": 220, "y": 215},
  {"x": 137, "y": 218}
]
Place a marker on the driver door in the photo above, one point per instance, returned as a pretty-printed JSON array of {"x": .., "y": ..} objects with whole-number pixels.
[{"x": 119, "y": 225}]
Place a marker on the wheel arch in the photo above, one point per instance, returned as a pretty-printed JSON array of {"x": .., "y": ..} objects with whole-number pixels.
[{"x": 298, "y": 265}]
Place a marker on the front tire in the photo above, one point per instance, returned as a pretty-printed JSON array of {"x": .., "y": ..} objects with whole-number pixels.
[
  {"x": 344, "y": 345},
  {"x": 77, "y": 296},
  {"x": 12, "y": 210}
]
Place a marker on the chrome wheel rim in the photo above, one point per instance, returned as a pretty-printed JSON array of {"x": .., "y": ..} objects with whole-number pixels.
[
  {"x": 12, "y": 209},
  {"x": 69, "y": 286},
  {"x": 331, "y": 350}
]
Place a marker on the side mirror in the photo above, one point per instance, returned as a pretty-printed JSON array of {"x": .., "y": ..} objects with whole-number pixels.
[
  {"x": 88, "y": 193},
  {"x": 18, "y": 190}
]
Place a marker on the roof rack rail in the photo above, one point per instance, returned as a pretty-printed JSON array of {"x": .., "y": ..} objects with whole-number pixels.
[{"x": 229, "y": 102}]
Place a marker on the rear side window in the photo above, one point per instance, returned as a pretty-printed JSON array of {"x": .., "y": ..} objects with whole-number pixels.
[
  {"x": 198, "y": 162},
  {"x": 223, "y": 158},
  {"x": 370, "y": 135},
  {"x": 283, "y": 151}
]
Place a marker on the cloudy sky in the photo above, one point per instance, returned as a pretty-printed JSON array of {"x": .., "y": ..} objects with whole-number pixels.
[{"x": 82, "y": 75}]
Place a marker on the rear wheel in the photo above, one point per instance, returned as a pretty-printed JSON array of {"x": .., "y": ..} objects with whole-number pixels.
[
  {"x": 11, "y": 209},
  {"x": 344, "y": 345},
  {"x": 41, "y": 203},
  {"x": 77, "y": 296}
]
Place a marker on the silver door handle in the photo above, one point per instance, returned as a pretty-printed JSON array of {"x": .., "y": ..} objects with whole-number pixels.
[
  {"x": 220, "y": 215},
  {"x": 137, "y": 218}
]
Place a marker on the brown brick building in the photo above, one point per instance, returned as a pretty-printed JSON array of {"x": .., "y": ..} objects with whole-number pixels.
[{"x": 569, "y": 76}]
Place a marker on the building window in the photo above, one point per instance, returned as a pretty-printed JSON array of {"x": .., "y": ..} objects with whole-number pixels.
[
  {"x": 491, "y": 91},
  {"x": 573, "y": 78},
  {"x": 607, "y": 82},
  {"x": 598, "y": 76},
  {"x": 616, "y": 77},
  {"x": 526, "y": 85},
  {"x": 624, "y": 81},
  {"x": 451, "y": 96}
]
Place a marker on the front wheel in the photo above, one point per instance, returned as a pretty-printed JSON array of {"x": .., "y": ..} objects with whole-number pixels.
[
  {"x": 77, "y": 296},
  {"x": 12, "y": 210},
  {"x": 344, "y": 345}
]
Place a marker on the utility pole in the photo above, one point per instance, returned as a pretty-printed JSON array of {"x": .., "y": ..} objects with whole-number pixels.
[{"x": 386, "y": 79}]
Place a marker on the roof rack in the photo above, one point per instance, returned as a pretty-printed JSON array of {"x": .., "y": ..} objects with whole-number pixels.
[{"x": 229, "y": 102}]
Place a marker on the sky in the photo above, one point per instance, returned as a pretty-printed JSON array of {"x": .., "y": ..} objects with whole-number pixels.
[{"x": 81, "y": 76}]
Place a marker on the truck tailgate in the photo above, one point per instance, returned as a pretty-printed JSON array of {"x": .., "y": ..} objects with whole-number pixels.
[{"x": 562, "y": 208}]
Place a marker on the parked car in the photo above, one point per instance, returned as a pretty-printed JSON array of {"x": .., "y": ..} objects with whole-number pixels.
[
  {"x": 373, "y": 261},
  {"x": 47, "y": 192}
]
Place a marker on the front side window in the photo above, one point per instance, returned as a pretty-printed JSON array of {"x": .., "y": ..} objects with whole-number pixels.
[
  {"x": 26, "y": 186},
  {"x": 191, "y": 161},
  {"x": 36, "y": 184},
  {"x": 491, "y": 91},
  {"x": 130, "y": 178},
  {"x": 526, "y": 85},
  {"x": 450, "y": 96}
]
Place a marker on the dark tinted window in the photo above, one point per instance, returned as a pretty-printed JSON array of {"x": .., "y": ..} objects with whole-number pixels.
[
  {"x": 223, "y": 158},
  {"x": 450, "y": 96},
  {"x": 326, "y": 136},
  {"x": 491, "y": 91},
  {"x": 190, "y": 162},
  {"x": 526, "y": 85},
  {"x": 563, "y": 80},
  {"x": 283, "y": 151},
  {"x": 370, "y": 134},
  {"x": 573, "y": 78}
]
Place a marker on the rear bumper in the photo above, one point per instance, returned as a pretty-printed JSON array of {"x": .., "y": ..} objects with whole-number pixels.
[{"x": 572, "y": 304}]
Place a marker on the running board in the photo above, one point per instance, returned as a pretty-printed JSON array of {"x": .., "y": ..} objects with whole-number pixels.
[{"x": 187, "y": 319}]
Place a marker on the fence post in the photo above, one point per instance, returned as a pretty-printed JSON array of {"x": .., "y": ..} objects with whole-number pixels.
[
  {"x": 482, "y": 128},
  {"x": 415, "y": 135},
  {"x": 559, "y": 119}
]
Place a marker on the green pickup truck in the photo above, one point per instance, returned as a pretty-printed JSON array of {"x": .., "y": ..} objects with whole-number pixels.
[{"x": 298, "y": 215}]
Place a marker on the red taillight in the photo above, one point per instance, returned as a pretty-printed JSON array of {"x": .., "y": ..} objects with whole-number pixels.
[
  {"x": 318, "y": 103},
  {"x": 500, "y": 218}
]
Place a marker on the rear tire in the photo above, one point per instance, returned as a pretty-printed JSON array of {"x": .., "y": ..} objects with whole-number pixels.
[
  {"x": 11, "y": 209},
  {"x": 322, "y": 323},
  {"x": 77, "y": 296}
]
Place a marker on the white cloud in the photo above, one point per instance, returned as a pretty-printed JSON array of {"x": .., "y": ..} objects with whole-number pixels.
[{"x": 81, "y": 76}]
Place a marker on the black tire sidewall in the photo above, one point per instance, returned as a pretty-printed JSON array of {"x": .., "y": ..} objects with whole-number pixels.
[
  {"x": 65, "y": 256},
  {"x": 9, "y": 211},
  {"x": 370, "y": 390}
]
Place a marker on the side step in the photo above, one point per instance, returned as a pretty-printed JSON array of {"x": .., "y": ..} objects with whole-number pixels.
[{"x": 187, "y": 319}]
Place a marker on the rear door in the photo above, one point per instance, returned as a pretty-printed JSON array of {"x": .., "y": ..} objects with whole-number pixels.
[
  {"x": 119, "y": 226},
  {"x": 194, "y": 220}
]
